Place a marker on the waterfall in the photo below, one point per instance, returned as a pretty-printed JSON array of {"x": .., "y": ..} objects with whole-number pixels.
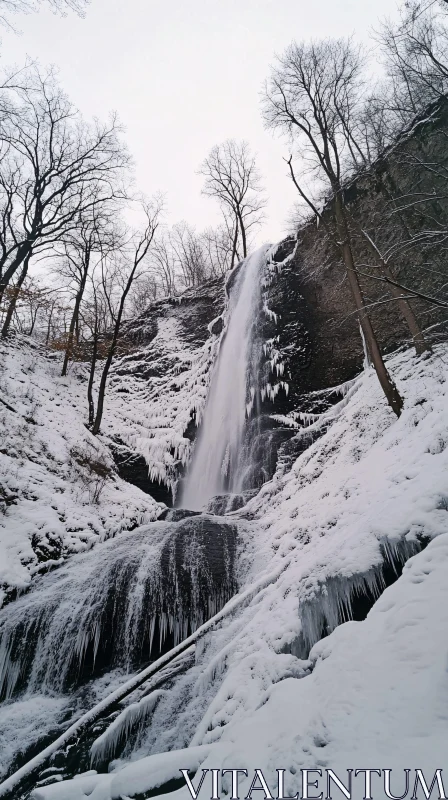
[{"x": 218, "y": 460}]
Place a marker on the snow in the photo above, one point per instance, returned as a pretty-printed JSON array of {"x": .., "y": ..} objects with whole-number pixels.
[
  {"x": 156, "y": 394},
  {"x": 53, "y": 504},
  {"x": 373, "y": 693},
  {"x": 131, "y": 717}
]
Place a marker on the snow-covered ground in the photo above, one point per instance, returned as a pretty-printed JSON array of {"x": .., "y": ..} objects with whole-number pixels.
[
  {"x": 60, "y": 492},
  {"x": 372, "y": 694}
]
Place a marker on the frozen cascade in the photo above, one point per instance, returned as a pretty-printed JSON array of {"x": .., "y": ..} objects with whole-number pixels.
[
  {"x": 218, "y": 464},
  {"x": 117, "y": 605}
]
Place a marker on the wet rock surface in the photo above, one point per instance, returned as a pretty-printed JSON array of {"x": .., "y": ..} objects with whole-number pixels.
[{"x": 134, "y": 469}]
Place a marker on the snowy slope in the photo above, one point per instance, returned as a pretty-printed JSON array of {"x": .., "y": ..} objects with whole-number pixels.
[
  {"x": 59, "y": 489},
  {"x": 371, "y": 694}
]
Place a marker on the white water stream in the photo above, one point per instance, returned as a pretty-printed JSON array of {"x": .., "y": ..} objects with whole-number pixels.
[{"x": 217, "y": 460}]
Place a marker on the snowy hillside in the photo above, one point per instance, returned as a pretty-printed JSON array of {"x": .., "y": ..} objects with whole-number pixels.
[
  {"x": 269, "y": 688},
  {"x": 60, "y": 490}
]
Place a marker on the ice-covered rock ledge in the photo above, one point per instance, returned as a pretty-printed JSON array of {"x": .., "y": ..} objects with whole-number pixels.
[{"x": 374, "y": 693}]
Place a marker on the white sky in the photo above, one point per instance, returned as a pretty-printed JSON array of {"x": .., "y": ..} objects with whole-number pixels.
[{"x": 184, "y": 75}]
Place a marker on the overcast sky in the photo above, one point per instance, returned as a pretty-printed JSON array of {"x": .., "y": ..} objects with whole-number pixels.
[{"x": 184, "y": 75}]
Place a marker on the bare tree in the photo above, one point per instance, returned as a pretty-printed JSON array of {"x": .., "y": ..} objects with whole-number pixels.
[
  {"x": 416, "y": 57},
  {"x": 84, "y": 248},
  {"x": 313, "y": 95},
  {"x": 14, "y": 296},
  {"x": 232, "y": 177},
  {"x": 144, "y": 292},
  {"x": 218, "y": 247},
  {"x": 54, "y": 171},
  {"x": 8, "y": 7},
  {"x": 163, "y": 267},
  {"x": 192, "y": 267},
  {"x": 98, "y": 322},
  {"x": 124, "y": 270}
]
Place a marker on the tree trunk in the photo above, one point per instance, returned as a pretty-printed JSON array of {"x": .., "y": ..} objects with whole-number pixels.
[
  {"x": 15, "y": 297},
  {"x": 73, "y": 325},
  {"x": 420, "y": 343},
  {"x": 243, "y": 235},
  {"x": 390, "y": 390},
  {"x": 234, "y": 244},
  {"x": 24, "y": 252},
  {"x": 50, "y": 317},
  {"x": 91, "y": 379},
  {"x": 102, "y": 389},
  {"x": 406, "y": 310},
  {"x": 33, "y": 321}
]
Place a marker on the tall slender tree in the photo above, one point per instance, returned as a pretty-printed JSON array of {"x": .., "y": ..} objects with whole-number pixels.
[
  {"x": 125, "y": 269},
  {"x": 313, "y": 94}
]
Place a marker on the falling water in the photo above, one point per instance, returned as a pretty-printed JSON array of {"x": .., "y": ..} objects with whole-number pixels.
[{"x": 217, "y": 461}]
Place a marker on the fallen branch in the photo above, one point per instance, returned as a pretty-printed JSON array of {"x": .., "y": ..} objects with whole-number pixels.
[{"x": 10, "y": 408}]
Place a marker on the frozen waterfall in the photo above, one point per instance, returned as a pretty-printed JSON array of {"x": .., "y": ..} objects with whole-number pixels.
[{"x": 218, "y": 460}]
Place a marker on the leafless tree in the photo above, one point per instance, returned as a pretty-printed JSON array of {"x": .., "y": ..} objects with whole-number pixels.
[
  {"x": 144, "y": 292},
  {"x": 8, "y": 7},
  {"x": 416, "y": 57},
  {"x": 313, "y": 95},
  {"x": 124, "y": 269},
  {"x": 163, "y": 267},
  {"x": 178, "y": 259},
  {"x": 408, "y": 113},
  {"x": 98, "y": 322},
  {"x": 55, "y": 169},
  {"x": 232, "y": 177},
  {"x": 218, "y": 247},
  {"x": 83, "y": 249},
  {"x": 192, "y": 267}
]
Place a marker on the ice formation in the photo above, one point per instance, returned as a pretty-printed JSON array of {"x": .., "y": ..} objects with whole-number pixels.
[
  {"x": 283, "y": 678},
  {"x": 106, "y": 608},
  {"x": 132, "y": 717}
]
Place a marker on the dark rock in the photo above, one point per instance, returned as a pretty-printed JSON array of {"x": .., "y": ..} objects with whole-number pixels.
[
  {"x": 134, "y": 469},
  {"x": 177, "y": 514},
  {"x": 223, "y": 504},
  {"x": 216, "y": 326}
]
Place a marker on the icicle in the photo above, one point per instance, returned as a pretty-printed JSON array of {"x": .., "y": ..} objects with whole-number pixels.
[
  {"x": 130, "y": 593},
  {"x": 132, "y": 717}
]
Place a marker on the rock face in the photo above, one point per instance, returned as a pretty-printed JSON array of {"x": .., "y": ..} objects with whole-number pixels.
[{"x": 411, "y": 234}]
